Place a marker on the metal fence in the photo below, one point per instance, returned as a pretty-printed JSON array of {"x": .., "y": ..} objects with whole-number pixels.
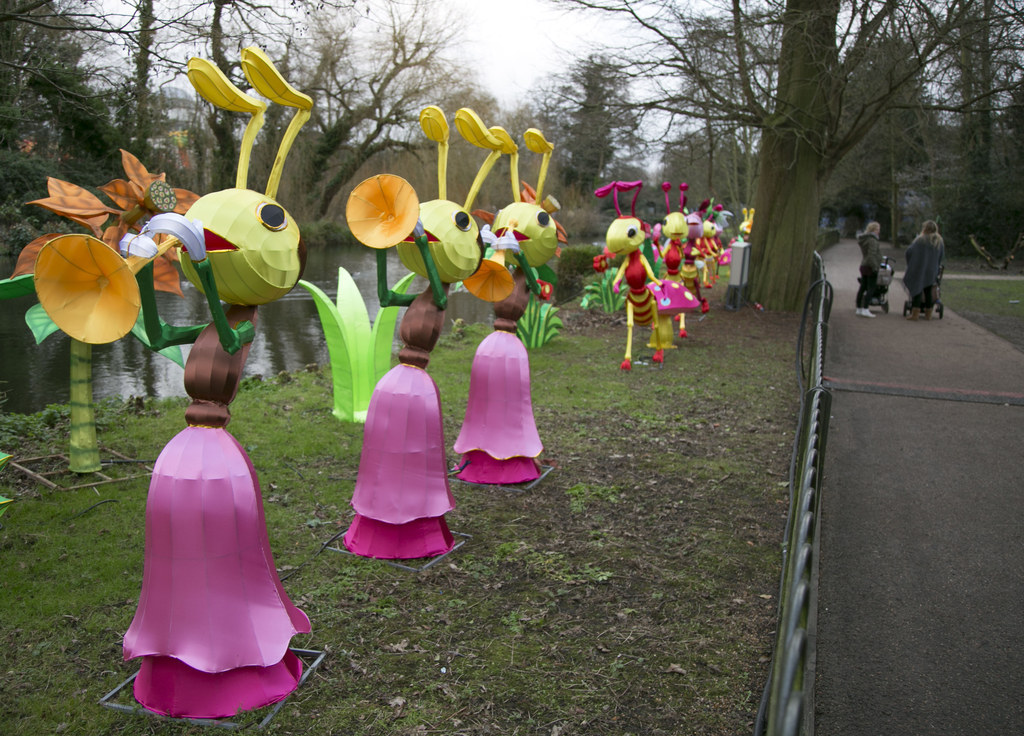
[{"x": 787, "y": 706}]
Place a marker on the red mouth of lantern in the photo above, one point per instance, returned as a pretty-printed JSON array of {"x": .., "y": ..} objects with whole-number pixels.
[
  {"x": 431, "y": 238},
  {"x": 216, "y": 244},
  {"x": 518, "y": 235}
]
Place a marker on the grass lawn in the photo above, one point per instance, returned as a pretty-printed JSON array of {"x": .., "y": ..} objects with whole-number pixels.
[
  {"x": 994, "y": 304},
  {"x": 631, "y": 592},
  {"x": 1001, "y": 298}
]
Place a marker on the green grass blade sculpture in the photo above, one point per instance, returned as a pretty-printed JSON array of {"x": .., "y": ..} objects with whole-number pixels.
[
  {"x": 359, "y": 355},
  {"x": 600, "y": 292},
  {"x": 538, "y": 325}
]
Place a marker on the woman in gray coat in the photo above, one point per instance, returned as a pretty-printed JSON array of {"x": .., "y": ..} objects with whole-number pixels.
[{"x": 924, "y": 257}]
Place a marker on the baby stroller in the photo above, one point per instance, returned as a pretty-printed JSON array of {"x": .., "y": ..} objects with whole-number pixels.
[
  {"x": 881, "y": 296},
  {"x": 936, "y": 297}
]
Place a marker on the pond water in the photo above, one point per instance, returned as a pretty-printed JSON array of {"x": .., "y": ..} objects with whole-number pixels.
[{"x": 288, "y": 336}]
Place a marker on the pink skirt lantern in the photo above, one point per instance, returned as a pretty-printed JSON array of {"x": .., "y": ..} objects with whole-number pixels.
[
  {"x": 402, "y": 491},
  {"x": 673, "y": 298},
  {"x": 499, "y": 434},
  {"x": 213, "y": 622}
]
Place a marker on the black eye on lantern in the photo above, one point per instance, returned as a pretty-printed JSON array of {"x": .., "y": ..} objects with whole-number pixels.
[
  {"x": 272, "y": 216},
  {"x": 543, "y": 218},
  {"x": 632, "y": 232},
  {"x": 462, "y": 220}
]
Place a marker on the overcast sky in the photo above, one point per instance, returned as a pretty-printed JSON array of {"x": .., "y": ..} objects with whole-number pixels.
[{"x": 517, "y": 43}]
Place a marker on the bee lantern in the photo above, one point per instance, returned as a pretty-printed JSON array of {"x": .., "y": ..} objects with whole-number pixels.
[{"x": 499, "y": 442}]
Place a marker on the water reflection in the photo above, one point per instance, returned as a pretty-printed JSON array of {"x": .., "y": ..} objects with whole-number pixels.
[{"x": 288, "y": 336}]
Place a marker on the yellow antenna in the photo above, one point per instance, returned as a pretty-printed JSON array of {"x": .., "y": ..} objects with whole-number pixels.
[
  {"x": 267, "y": 80},
  {"x": 214, "y": 87},
  {"x": 435, "y": 127},
  {"x": 509, "y": 147},
  {"x": 472, "y": 128},
  {"x": 536, "y": 142}
]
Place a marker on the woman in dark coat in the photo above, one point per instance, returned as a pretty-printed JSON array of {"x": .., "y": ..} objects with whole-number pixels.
[{"x": 924, "y": 258}]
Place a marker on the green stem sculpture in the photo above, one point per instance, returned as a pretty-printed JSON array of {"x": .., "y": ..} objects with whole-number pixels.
[{"x": 84, "y": 453}]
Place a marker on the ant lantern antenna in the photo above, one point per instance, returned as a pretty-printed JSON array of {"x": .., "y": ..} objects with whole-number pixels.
[
  {"x": 627, "y": 186},
  {"x": 509, "y": 146},
  {"x": 267, "y": 80},
  {"x": 667, "y": 187},
  {"x": 620, "y": 186},
  {"x": 536, "y": 142},
  {"x": 435, "y": 127},
  {"x": 611, "y": 188},
  {"x": 472, "y": 128}
]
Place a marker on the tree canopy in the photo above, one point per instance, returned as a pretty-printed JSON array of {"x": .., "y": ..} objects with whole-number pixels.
[
  {"x": 844, "y": 110},
  {"x": 814, "y": 79}
]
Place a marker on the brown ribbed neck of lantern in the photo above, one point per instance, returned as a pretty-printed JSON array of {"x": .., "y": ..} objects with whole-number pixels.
[
  {"x": 508, "y": 311},
  {"x": 212, "y": 375},
  {"x": 420, "y": 330}
]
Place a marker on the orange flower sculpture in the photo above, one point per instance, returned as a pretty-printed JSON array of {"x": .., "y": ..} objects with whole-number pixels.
[{"x": 142, "y": 195}]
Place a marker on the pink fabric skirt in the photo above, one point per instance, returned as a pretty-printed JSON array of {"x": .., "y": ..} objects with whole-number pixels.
[
  {"x": 426, "y": 537},
  {"x": 482, "y": 468},
  {"x": 171, "y": 688},
  {"x": 211, "y": 598},
  {"x": 499, "y": 420},
  {"x": 403, "y": 473},
  {"x": 402, "y": 491}
]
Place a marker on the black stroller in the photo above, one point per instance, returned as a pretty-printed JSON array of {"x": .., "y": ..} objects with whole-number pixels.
[
  {"x": 881, "y": 296},
  {"x": 936, "y": 297}
]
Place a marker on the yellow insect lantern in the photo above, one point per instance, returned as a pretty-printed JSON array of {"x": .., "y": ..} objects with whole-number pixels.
[
  {"x": 251, "y": 240},
  {"x": 532, "y": 223},
  {"x": 747, "y": 223},
  {"x": 624, "y": 235},
  {"x": 452, "y": 234}
]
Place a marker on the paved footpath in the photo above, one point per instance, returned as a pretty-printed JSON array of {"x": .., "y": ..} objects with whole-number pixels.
[{"x": 921, "y": 597}]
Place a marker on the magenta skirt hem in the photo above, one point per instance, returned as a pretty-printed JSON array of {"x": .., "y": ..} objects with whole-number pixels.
[
  {"x": 412, "y": 540},
  {"x": 170, "y": 687},
  {"x": 483, "y": 468}
]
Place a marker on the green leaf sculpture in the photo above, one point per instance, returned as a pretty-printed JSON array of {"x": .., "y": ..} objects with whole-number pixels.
[
  {"x": 538, "y": 325},
  {"x": 360, "y": 355},
  {"x": 601, "y": 292},
  {"x": 18, "y": 286}
]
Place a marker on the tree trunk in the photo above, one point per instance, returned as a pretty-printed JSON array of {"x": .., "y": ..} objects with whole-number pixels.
[
  {"x": 143, "y": 125},
  {"x": 894, "y": 188},
  {"x": 784, "y": 235},
  {"x": 793, "y": 157}
]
